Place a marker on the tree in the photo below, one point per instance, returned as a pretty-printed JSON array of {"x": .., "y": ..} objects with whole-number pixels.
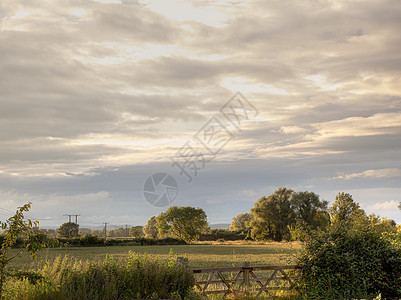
[
  {"x": 150, "y": 230},
  {"x": 68, "y": 230},
  {"x": 136, "y": 231},
  {"x": 347, "y": 262},
  {"x": 273, "y": 216},
  {"x": 309, "y": 211},
  {"x": 15, "y": 228},
  {"x": 185, "y": 223},
  {"x": 346, "y": 212},
  {"x": 241, "y": 222}
]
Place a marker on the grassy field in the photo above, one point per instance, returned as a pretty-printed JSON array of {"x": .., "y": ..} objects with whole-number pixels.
[{"x": 199, "y": 255}]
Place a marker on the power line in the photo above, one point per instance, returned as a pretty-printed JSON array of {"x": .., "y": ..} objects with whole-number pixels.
[
  {"x": 89, "y": 220},
  {"x": 69, "y": 218}
]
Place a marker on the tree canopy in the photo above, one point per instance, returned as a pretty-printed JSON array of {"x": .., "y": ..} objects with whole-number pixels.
[
  {"x": 185, "y": 223},
  {"x": 150, "y": 230},
  {"x": 346, "y": 212},
  {"x": 276, "y": 216},
  {"x": 241, "y": 222},
  {"x": 68, "y": 230},
  {"x": 136, "y": 231},
  {"x": 273, "y": 216}
]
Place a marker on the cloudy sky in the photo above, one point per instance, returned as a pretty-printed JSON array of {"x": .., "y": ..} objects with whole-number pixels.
[{"x": 96, "y": 96}]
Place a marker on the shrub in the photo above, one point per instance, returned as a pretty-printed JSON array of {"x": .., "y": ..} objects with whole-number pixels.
[
  {"x": 93, "y": 240},
  {"x": 350, "y": 263},
  {"x": 136, "y": 277},
  {"x": 225, "y": 234}
]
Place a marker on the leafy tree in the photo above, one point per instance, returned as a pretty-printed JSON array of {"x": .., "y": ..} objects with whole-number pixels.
[
  {"x": 15, "y": 228},
  {"x": 98, "y": 233},
  {"x": 68, "y": 230},
  {"x": 346, "y": 212},
  {"x": 150, "y": 230},
  {"x": 350, "y": 262},
  {"x": 241, "y": 222},
  {"x": 119, "y": 232},
  {"x": 136, "y": 231},
  {"x": 185, "y": 223},
  {"x": 308, "y": 208},
  {"x": 273, "y": 216},
  {"x": 383, "y": 225},
  {"x": 84, "y": 231}
]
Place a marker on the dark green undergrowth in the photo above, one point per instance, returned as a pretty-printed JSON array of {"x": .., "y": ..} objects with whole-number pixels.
[
  {"x": 94, "y": 241},
  {"x": 358, "y": 262},
  {"x": 134, "y": 277}
]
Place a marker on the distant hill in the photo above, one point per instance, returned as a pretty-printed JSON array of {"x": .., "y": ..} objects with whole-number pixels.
[{"x": 219, "y": 226}]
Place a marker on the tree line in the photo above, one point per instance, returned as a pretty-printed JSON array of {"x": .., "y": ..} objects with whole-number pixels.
[{"x": 283, "y": 215}]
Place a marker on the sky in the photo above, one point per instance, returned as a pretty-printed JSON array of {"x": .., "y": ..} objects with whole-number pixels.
[{"x": 230, "y": 100}]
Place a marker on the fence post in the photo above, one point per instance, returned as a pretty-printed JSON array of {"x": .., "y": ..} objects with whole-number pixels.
[{"x": 246, "y": 265}]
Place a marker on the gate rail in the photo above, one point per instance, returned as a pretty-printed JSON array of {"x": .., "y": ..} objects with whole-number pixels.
[{"x": 246, "y": 279}]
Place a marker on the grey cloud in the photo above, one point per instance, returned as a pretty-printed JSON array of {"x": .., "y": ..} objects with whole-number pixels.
[{"x": 131, "y": 22}]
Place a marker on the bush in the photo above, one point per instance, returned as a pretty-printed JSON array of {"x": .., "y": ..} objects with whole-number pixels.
[
  {"x": 95, "y": 241},
  {"x": 350, "y": 263},
  {"x": 225, "y": 234},
  {"x": 136, "y": 277}
]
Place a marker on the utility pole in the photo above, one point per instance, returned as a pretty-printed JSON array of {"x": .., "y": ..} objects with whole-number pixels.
[
  {"x": 69, "y": 218},
  {"x": 105, "y": 230},
  {"x": 126, "y": 231}
]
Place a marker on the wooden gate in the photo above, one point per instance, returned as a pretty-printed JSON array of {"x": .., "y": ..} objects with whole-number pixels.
[{"x": 236, "y": 279}]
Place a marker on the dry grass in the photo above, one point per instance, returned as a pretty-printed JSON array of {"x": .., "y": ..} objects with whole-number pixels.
[{"x": 200, "y": 255}]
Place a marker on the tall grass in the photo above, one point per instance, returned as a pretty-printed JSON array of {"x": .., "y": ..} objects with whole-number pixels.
[{"x": 134, "y": 277}]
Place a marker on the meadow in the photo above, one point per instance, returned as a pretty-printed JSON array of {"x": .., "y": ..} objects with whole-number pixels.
[{"x": 200, "y": 255}]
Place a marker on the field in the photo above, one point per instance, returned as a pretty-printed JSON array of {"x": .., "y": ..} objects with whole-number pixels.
[{"x": 199, "y": 255}]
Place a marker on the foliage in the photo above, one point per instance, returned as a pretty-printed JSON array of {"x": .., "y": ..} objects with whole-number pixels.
[
  {"x": 95, "y": 241},
  {"x": 353, "y": 259},
  {"x": 309, "y": 210},
  {"x": 150, "y": 230},
  {"x": 185, "y": 223},
  {"x": 227, "y": 235},
  {"x": 16, "y": 228},
  {"x": 241, "y": 222},
  {"x": 273, "y": 216},
  {"x": 135, "y": 277},
  {"x": 68, "y": 230},
  {"x": 119, "y": 232},
  {"x": 136, "y": 231},
  {"x": 346, "y": 212},
  {"x": 288, "y": 215}
]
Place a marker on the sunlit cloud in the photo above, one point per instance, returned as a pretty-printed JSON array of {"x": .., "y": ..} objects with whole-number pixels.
[
  {"x": 381, "y": 173},
  {"x": 89, "y": 88}
]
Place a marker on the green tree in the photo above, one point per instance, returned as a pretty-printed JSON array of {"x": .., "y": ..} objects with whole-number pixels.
[
  {"x": 383, "y": 225},
  {"x": 150, "y": 230},
  {"x": 136, "y": 231},
  {"x": 346, "y": 212},
  {"x": 241, "y": 222},
  {"x": 185, "y": 223},
  {"x": 347, "y": 262},
  {"x": 308, "y": 208},
  {"x": 68, "y": 230},
  {"x": 273, "y": 216},
  {"x": 15, "y": 228}
]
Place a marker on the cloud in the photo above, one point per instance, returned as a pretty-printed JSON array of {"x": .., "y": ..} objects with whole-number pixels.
[
  {"x": 90, "y": 85},
  {"x": 385, "y": 206},
  {"x": 373, "y": 174}
]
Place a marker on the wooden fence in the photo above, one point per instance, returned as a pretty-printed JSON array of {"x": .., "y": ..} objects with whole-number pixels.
[{"x": 238, "y": 279}]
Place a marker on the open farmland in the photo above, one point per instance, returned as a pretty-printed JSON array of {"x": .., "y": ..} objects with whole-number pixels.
[{"x": 199, "y": 255}]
